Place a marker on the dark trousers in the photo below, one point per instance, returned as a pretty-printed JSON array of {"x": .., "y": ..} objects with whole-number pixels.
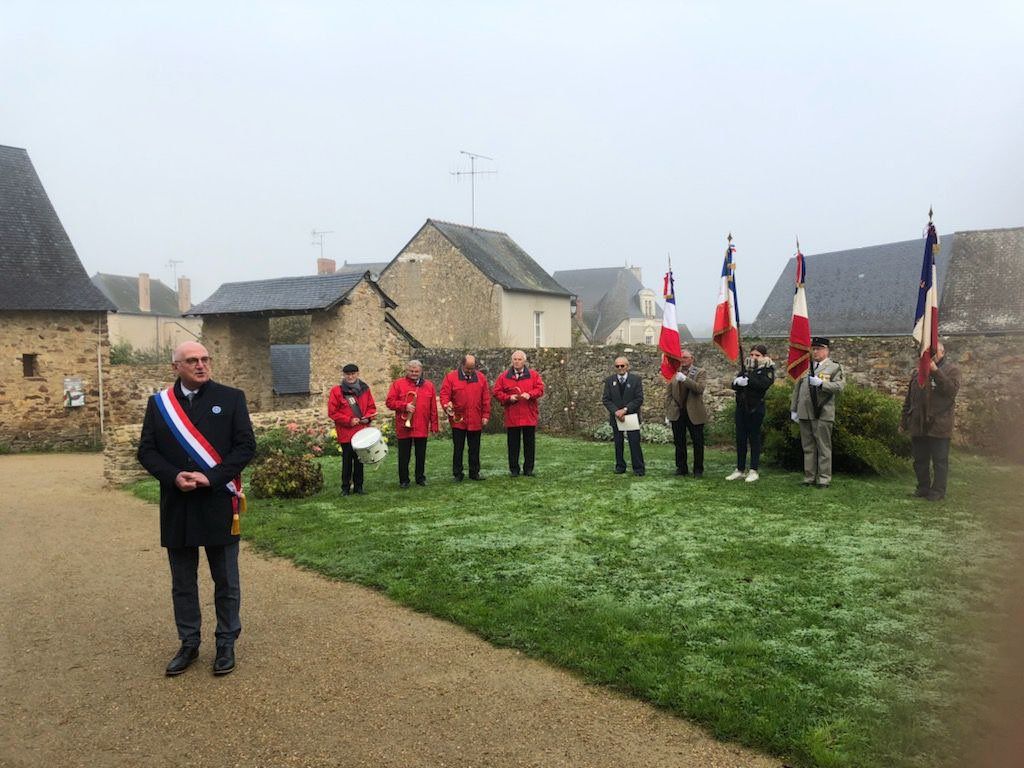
[
  {"x": 930, "y": 453},
  {"x": 351, "y": 468},
  {"x": 636, "y": 455},
  {"x": 748, "y": 430},
  {"x": 227, "y": 593},
  {"x": 459, "y": 439},
  {"x": 529, "y": 440},
  {"x": 680, "y": 427},
  {"x": 405, "y": 447}
]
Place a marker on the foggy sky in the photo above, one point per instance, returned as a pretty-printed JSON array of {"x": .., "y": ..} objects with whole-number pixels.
[{"x": 221, "y": 134}]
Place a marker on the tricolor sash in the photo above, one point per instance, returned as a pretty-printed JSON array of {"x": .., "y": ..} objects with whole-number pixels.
[{"x": 195, "y": 444}]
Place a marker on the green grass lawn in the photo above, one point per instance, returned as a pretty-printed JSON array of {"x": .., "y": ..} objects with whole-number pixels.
[{"x": 840, "y": 627}]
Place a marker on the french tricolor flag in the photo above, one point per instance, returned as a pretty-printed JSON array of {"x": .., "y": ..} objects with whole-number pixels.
[
  {"x": 668, "y": 341},
  {"x": 926, "y": 318},
  {"x": 800, "y": 327},
  {"x": 726, "y": 332}
]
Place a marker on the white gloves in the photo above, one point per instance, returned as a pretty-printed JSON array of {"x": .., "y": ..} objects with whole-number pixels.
[
  {"x": 680, "y": 376},
  {"x": 793, "y": 416},
  {"x": 740, "y": 381},
  {"x": 814, "y": 381}
]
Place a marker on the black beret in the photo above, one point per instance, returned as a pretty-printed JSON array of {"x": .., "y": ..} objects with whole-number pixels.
[{"x": 350, "y": 368}]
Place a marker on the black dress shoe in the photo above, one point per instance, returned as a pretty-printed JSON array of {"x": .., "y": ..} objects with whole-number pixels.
[
  {"x": 457, "y": 478},
  {"x": 225, "y": 661},
  {"x": 620, "y": 471},
  {"x": 345, "y": 491},
  {"x": 514, "y": 473},
  {"x": 184, "y": 658},
  {"x": 421, "y": 481},
  {"x": 403, "y": 485},
  {"x": 935, "y": 496},
  {"x": 476, "y": 477},
  {"x": 529, "y": 474},
  {"x": 639, "y": 474},
  {"x": 921, "y": 493},
  {"x": 698, "y": 475},
  {"x": 359, "y": 492},
  {"x": 682, "y": 471}
]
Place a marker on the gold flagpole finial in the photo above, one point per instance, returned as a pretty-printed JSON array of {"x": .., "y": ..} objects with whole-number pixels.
[{"x": 729, "y": 238}]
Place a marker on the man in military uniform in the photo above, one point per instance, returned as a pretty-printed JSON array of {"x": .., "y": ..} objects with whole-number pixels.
[
  {"x": 928, "y": 417},
  {"x": 814, "y": 408}
]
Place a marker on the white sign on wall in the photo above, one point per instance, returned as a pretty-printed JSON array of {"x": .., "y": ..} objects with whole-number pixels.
[{"x": 74, "y": 392}]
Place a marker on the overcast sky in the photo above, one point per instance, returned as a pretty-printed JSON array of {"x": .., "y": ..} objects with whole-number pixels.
[{"x": 222, "y": 133}]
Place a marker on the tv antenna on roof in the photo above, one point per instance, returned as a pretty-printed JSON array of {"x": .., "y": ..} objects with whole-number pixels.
[
  {"x": 173, "y": 264},
  {"x": 318, "y": 238},
  {"x": 472, "y": 173}
]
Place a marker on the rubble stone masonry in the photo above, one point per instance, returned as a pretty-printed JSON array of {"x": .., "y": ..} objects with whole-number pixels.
[{"x": 33, "y": 415}]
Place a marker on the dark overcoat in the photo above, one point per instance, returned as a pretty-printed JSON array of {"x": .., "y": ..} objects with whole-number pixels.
[
  {"x": 928, "y": 411},
  {"x": 629, "y": 395},
  {"x": 201, "y": 517}
]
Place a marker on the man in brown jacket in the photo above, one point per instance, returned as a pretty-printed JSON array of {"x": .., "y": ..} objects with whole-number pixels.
[
  {"x": 684, "y": 407},
  {"x": 928, "y": 418}
]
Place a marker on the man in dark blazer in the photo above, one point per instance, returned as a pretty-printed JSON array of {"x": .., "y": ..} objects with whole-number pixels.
[
  {"x": 624, "y": 395},
  {"x": 196, "y": 507}
]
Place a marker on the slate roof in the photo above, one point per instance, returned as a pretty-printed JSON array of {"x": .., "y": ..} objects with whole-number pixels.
[
  {"x": 40, "y": 268},
  {"x": 123, "y": 291},
  {"x": 985, "y": 283},
  {"x": 282, "y": 295},
  {"x": 868, "y": 291},
  {"x": 498, "y": 257},
  {"x": 361, "y": 267},
  {"x": 609, "y": 295},
  {"x": 289, "y": 364}
]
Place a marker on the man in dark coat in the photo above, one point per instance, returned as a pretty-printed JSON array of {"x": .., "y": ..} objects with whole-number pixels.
[
  {"x": 196, "y": 507},
  {"x": 928, "y": 418},
  {"x": 624, "y": 396}
]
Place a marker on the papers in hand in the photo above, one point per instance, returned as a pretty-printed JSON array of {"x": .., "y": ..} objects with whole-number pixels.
[{"x": 630, "y": 423}]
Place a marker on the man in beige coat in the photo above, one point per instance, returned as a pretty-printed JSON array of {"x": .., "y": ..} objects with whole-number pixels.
[
  {"x": 814, "y": 408},
  {"x": 684, "y": 407}
]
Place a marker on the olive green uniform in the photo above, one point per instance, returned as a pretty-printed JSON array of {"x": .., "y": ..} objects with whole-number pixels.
[{"x": 816, "y": 428}]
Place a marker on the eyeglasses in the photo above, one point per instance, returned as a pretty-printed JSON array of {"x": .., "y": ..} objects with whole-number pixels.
[{"x": 194, "y": 361}]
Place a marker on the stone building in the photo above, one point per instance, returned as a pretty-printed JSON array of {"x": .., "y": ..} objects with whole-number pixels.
[
  {"x": 351, "y": 320},
  {"x": 614, "y": 307},
  {"x": 872, "y": 291},
  {"x": 53, "y": 322},
  {"x": 150, "y": 316},
  {"x": 465, "y": 287}
]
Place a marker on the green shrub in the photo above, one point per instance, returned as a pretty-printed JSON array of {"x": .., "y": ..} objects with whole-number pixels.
[
  {"x": 866, "y": 439},
  {"x": 650, "y": 432},
  {"x": 293, "y": 440},
  {"x": 124, "y": 353},
  {"x": 282, "y": 476}
]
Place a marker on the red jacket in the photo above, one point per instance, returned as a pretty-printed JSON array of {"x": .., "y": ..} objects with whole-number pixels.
[
  {"x": 341, "y": 413},
  {"x": 519, "y": 413},
  {"x": 472, "y": 400},
  {"x": 424, "y": 418}
]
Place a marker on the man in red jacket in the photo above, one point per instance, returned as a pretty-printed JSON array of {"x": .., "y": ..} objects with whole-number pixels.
[
  {"x": 466, "y": 399},
  {"x": 518, "y": 389},
  {"x": 350, "y": 406},
  {"x": 414, "y": 401}
]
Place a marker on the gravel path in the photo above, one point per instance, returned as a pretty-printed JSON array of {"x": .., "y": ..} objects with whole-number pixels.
[{"x": 329, "y": 674}]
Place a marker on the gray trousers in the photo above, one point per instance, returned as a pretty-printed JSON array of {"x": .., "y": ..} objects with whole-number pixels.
[
  {"x": 227, "y": 593},
  {"x": 816, "y": 439}
]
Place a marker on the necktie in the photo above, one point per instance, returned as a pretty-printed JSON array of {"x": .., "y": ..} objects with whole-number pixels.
[
  {"x": 622, "y": 380},
  {"x": 188, "y": 400}
]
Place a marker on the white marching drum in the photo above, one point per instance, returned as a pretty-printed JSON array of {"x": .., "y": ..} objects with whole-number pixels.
[{"x": 369, "y": 445}]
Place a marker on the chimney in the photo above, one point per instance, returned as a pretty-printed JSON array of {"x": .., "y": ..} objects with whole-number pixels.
[
  {"x": 144, "y": 305},
  {"x": 184, "y": 294},
  {"x": 636, "y": 273},
  {"x": 325, "y": 267}
]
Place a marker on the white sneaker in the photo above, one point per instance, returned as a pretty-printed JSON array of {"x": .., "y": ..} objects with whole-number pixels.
[
  {"x": 752, "y": 476},
  {"x": 736, "y": 475}
]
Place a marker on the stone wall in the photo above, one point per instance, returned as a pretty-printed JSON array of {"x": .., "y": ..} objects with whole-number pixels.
[
  {"x": 128, "y": 388},
  {"x": 240, "y": 348},
  {"x": 989, "y": 414},
  {"x": 443, "y": 300},
  {"x": 33, "y": 415},
  {"x": 354, "y": 332}
]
